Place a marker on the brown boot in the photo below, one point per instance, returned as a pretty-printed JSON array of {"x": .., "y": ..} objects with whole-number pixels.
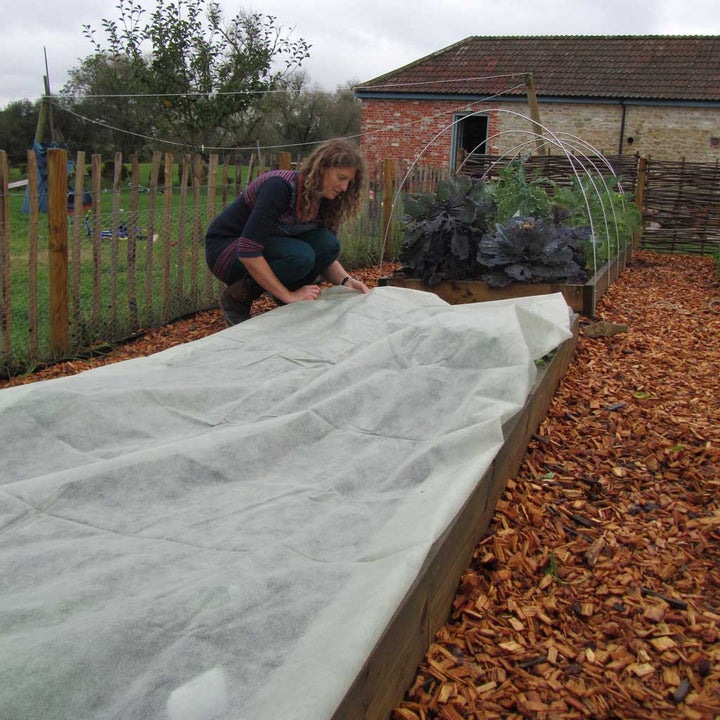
[
  {"x": 234, "y": 311},
  {"x": 236, "y": 300}
]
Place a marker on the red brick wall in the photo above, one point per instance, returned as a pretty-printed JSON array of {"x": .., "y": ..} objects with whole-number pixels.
[
  {"x": 664, "y": 133},
  {"x": 414, "y": 124}
]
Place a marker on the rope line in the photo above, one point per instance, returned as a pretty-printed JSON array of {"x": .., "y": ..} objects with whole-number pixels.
[
  {"x": 203, "y": 148},
  {"x": 230, "y": 93}
]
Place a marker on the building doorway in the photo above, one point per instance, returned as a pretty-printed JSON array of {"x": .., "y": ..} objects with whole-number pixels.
[{"x": 469, "y": 136}]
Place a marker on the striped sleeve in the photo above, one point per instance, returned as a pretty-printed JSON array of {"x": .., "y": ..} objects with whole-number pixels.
[{"x": 270, "y": 202}]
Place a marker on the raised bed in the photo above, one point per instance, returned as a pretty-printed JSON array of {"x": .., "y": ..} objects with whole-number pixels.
[
  {"x": 581, "y": 298},
  {"x": 391, "y": 666}
]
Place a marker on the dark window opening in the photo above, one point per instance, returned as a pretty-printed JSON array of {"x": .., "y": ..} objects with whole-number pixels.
[{"x": 471, "y": 134}]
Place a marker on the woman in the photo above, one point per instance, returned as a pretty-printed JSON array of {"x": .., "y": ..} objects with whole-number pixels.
[{"x": 280, "y": 234}]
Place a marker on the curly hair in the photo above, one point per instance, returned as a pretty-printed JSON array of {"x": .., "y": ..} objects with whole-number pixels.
[{"x": 332, "y": 153}]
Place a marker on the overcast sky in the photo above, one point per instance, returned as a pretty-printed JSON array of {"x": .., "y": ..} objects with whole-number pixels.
[{"x": 351, "y": 41}]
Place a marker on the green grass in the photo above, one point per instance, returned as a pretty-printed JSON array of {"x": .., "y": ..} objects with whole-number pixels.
[{"x": 114, "y": 321}]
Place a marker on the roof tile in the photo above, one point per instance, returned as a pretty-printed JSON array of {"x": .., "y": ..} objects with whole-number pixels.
[{"x": 648, "y": 67}]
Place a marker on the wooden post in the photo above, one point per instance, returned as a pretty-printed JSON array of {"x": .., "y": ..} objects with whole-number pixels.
[
  {"x": 132, "y": 242},
  {"x": 226, "y": 165},
  {"x": 5, "y": 345},
  {"x": 285, "y": 161},
  {"x": 540, "y": 146},
  {"x": 238, "y": 175},
  {"x": 58, "y": 251},
  {"x": 33, "y": 252},
  {"x": 640, "y": 200},
  {"x": 197, "y": 231},
  {"x": 180, "y": 262},
  {"x": 95, "y": 179},
  {"x": 166, "y": 236},
  {"x": 46, "y": 81},
  {"x": 77, "y": 229},
  {"x": 388, "y": 178},
  {"x": 115, "y": 241},
  {"x": 42, "y": 116},
  {"x": 211, "y": 187},
  {"x": 154, "y": 178}
]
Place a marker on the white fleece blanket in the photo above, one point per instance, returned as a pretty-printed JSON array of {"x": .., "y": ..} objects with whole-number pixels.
[{"x": 224, "y": 529}]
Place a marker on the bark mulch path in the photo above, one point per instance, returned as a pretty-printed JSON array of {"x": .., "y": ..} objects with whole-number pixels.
[{"x": 596, "y": 591}]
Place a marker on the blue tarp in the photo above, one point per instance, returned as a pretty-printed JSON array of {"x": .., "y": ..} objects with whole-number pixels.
[{"x": 40, "y": 150}]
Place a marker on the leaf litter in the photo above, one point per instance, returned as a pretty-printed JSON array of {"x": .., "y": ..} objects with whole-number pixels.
[{"x": 595, "y": 593}]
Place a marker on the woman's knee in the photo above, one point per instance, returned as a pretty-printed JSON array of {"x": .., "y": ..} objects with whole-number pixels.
[
  {"x": 295, "y": 263},
  {"x": 325, "y": 243}
]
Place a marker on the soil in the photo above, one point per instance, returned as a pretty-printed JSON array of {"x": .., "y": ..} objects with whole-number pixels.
[{"x": 596, "y": 591}]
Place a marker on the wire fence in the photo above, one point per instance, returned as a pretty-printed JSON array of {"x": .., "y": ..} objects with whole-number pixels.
[
  {"x": 121, "y": 249},
  {"x": 129, "y": 254}
]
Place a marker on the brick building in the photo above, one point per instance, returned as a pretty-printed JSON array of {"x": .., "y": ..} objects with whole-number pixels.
[{"x": 658, "y": 96}]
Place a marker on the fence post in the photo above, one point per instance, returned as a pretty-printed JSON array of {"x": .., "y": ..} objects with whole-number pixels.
[
  {"x": 58, "y": 250},
  {"x": 154, "y": 177},
  {"x": 76, "y": 253},
  {"x": 639, "y": 200},
  {"x": 166, "y": 236},
  {"x": 33, "y": 252},
  {"x": 132, "y": 243},
  {"x": 284, "y": 161},
  {"x": 96, "y": 181},
  {"x": 238, "y": 175},
  {"x": 115, "y": 241},
  {"x": 197, "y": 230},
  {"x": 5, "y": 254},
  {"x": 388, "y": 178},
  {"x": 211, "y": 194}
]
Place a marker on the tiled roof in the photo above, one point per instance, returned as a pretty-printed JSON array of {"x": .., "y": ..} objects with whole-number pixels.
[{"x": 649, "y": 67}]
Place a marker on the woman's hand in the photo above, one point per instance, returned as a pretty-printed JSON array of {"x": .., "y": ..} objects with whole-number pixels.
[
  {"x": 359, "y": 285},
  {"x": 306, "y": 292}
]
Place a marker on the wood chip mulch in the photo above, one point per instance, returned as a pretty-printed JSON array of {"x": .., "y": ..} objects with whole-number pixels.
[{"x": 596, "y": 591}]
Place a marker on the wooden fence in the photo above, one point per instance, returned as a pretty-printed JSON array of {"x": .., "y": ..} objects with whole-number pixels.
[
  {"x": 682, "y": 207},
  {"x": 107, "y": 274},
  {"x": 132, "y": 260},
  {"x": 103, "y": 273},
  {"x": 559, "y": 168}
]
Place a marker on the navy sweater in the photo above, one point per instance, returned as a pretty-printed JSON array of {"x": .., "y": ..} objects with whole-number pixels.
[{"x": 269, "y": 206}]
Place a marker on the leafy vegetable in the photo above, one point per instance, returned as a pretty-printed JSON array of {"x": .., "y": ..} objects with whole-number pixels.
[
  {"x": 614, "y": 217},
  {"x": 443, "y": 231},
  {"x": 543, "y": 231},
  {"x": 533, "y": 251},
  {"x": 516, "y": 194}
]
